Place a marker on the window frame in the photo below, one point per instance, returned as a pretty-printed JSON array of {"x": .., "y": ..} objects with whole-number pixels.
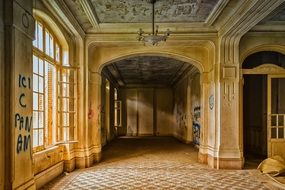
[{"x": 47, "y": 59}]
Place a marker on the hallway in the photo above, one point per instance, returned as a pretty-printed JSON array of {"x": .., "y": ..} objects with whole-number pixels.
[{"x": 156, "y": 163}]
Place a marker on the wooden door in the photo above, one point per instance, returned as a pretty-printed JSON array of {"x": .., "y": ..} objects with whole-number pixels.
[{"x": 276, "y": 115}]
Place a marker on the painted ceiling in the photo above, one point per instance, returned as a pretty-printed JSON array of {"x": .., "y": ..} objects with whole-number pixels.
[
  {"x": 276, "y": 16},
  {"x": 148, "y": 70},
  {"x": 140, "y": 11}
]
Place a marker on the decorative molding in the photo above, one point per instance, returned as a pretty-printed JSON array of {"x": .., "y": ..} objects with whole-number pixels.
[
  {"x": 265, "y": 69},
  {"x": 229, "y": 72},
  {"x": 65, "y": 17},
  {"x": 90, "y": 13},
  {"x": 229, "y": 92},
  {"x": 216, "y": 12},
  {"x": 250, "y": 13}
]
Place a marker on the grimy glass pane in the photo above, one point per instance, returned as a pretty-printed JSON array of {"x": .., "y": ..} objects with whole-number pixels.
[
  {"x": 35, "y": 42},
  {"x": 35, "y": 138},
  {"x": 273, "y": 120},
  {"x": 277, "y": 96},
  {"x": 35, "y": 120},
  {"x": 35, "y": 83},
  {"x": 273, "y": 133},
  {"x": 35, "y": 64},
  {"x": 41, "y": 136},
  {"x": 35, "y": 101},
  {"x": 40, "y": 37},
  {"x": 280, "y": 120}
]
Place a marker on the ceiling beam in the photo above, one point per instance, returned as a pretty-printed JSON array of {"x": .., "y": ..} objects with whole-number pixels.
[{"x": 91, "y": 13}]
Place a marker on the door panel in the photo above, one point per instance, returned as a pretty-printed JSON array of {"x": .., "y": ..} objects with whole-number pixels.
[{"x": 276, "y": 115}]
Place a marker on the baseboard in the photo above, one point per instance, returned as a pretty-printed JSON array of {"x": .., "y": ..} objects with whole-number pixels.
[
  {"x": 220, "y": 163},
  {"x": 88, "y": 161},
  {"x": 49, "y": 174}
]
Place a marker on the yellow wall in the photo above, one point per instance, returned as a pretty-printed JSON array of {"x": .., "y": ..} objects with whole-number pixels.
[
  {"x": 147, "y": 111},
  {"x": 187, "y": 96}
]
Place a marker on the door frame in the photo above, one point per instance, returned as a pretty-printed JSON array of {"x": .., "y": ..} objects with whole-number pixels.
[
  {"x": 269, "y": 103},
  {"x": 269, "y": 69}
]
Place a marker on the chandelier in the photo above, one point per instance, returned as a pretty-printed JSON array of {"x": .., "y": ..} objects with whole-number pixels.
[{"x": 154, "y": 38}]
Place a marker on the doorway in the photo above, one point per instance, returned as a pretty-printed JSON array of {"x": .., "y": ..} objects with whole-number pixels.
[
  {"x": 255, "y": 118},
  {"x": 276, "y": 114},
  {"x": 263, "y": 107}
]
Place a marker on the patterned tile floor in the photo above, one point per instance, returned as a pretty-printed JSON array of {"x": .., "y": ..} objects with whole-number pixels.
[{"x": 157, "y": 163}]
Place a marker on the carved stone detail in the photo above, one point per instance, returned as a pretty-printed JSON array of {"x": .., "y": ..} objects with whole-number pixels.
[
  {"x": 265, "y": 69},
  {"x": 229, "y": 92}
]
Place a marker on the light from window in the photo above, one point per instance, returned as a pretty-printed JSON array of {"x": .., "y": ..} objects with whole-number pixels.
[
  {"x": 54, "y": 91},
  {"x": 38, "y": 102},
  {"x": 38, "y": 42}
]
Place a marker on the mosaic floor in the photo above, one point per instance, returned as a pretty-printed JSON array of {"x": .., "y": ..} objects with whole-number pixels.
[{"x": 157, "y": 163}]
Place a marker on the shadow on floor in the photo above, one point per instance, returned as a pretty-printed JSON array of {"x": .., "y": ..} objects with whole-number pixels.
[{"x": 129, "y": 147}]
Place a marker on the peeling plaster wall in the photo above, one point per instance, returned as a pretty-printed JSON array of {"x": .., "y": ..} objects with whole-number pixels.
[
  {"x": 182, "y": 127},
  {"x": 196, "y": 108},
  {"x": 187, "y": 107}
]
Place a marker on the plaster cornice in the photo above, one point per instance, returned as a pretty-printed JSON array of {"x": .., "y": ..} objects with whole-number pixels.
[
  {"x": 216, "y": 12},
  {"x": 91, "y": 14},
  {"x": 250, "y": 13}
]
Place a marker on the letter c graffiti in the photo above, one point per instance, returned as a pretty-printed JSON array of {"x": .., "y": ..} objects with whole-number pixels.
[{"x": 20, "y": 100}]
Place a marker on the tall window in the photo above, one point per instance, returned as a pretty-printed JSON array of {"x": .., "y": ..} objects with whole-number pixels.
[{"x": 54, "y": 91}]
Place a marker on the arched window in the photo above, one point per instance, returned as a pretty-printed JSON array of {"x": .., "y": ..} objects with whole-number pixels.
[{"x": 54, "y": 90}]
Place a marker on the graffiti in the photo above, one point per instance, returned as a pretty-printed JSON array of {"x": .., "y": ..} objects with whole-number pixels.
[
  {"x": 23, "y": 143},
  {"x": 22, "y": 122},
  {"x": 196, "y": 125},
  {"x": 196, "y": 133},
  {"x": 197, "y": 113},
  {"x": 211, "y": 102}
]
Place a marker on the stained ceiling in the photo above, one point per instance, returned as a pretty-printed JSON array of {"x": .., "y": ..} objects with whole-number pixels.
[
  {"x": 137, "y": 11},
  {"x": 147, "y": 71},
  {"x": 94, "y": 15},
  {"x": 278, "y": 15}
]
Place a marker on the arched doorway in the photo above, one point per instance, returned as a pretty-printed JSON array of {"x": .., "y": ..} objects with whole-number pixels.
[
  {"x": 159, "y": 96},
  {"x": 263, "y": 106}
]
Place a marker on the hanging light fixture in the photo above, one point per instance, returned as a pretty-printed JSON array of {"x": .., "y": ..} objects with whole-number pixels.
[{"x": 154, "y": 38}]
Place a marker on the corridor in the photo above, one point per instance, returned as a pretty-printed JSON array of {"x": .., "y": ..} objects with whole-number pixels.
[{"x": 156, "y": 163}]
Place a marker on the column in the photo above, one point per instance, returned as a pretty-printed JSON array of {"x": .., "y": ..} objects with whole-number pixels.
[
  {"x": 207, "y": 118},
  {"x": 89, "y": 146},
  {"x": 228, "y": 152},
  {"x": 19, "y": 31}
]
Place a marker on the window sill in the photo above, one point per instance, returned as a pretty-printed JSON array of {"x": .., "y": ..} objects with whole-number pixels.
[
  {"x": 65, "y": 143},
  {"x": 53, "y": 147},
  {"x": 46, "y": 150}
]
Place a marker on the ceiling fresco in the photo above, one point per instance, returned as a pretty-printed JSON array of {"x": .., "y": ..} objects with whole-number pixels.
[
  {"x": 148, "y": 70},
  {"x": 140, "y": 11}
]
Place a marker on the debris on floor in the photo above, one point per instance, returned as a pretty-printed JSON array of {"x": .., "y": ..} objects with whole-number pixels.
[{"x": 274, "y": 166}]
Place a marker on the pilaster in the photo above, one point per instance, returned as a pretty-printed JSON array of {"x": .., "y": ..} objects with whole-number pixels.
[
  {"x": 229, "y": 154},
  {"x": 19, "y": 33},
  {"x": 88, "y": 150}
]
